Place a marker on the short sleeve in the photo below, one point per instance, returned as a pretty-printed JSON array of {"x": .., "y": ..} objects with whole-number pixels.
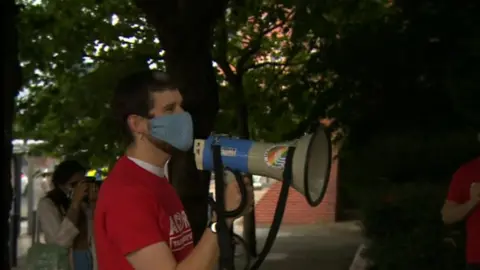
[
  {"x": 457, "y": 191},
  {"x": 131, "y": 220}
]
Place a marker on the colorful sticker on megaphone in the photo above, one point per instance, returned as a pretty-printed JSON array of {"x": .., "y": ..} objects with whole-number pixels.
[{"x": 275, "y": 156}]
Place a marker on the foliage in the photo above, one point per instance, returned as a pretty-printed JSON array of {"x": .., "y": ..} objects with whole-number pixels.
[
  {"x": 408, "y": 157},
  {"x": 405, "y": 230},
  {"x": 373, "y": 66},
  {"x": 392, "y": 64},
  {"x": 69, "y": 78}
]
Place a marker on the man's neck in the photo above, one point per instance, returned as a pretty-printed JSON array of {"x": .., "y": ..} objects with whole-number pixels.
[{"x": 155, "y": 157}]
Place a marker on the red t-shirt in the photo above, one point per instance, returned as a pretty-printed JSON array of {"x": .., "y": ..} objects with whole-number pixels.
[
  {"x": 135, "y": 209},
  {"x": 459, "y": 192}
]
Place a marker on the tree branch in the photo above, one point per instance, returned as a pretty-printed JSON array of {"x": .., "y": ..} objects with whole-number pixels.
[
  {"x": 275, "y": 64},
  {"x": 255, "y": 44},
  {"x": 110, "y": 59},
  {"x": 222, "y": 60}
]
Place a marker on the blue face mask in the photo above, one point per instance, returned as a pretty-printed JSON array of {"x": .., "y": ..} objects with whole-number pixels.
[{"x": 174, "y": 129}]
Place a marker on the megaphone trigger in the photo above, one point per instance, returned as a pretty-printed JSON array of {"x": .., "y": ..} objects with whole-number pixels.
[{"x": 229, "y": 177}]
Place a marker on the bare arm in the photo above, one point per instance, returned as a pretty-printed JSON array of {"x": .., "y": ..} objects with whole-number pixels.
[
  {"x": 159, "y": 256},
  {"x": 453, "y": 212},
  {"x": 57, "y": 230},
  {"x": 147, "y": 249},
  {"x": 140, "y": 238}
]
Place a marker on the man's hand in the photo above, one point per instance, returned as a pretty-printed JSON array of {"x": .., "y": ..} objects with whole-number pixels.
[
  {"x": 475, "y": 192},
  {"x": 453, "y": 212},
  {"x": 233, "y": 196}
]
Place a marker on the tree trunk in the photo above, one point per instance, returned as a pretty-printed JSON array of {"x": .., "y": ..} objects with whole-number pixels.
[
  {"x": 191, "y": 66},
  {"x": 185, "y": 30},
  {"x": 10, "y": 86}
]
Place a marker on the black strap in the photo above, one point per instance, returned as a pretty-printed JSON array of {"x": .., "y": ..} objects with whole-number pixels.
[
  {"x": 223, "y": 233},
  {"x": 279, "y": 210}
]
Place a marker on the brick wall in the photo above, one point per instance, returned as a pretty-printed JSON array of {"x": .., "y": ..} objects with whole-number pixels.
[{"x": 298, "y": 211}]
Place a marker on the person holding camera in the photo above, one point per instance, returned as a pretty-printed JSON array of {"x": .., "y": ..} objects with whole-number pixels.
[
  {"x": 64, "y": 213},
  {"x": 463, "y": 204},
  {"x": 140, "y": 222}
]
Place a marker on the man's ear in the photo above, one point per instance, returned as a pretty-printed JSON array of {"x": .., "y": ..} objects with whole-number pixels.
[{"x": 138, "y": 124}]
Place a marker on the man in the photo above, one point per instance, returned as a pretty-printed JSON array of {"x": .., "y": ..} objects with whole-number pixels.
[
  {"x": 140, "y": 222},
  {"x": 463, "y": 204}
]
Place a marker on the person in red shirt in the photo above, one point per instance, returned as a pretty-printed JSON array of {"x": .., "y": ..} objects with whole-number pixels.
[
  {"x": 139, "y": 221},
  {"x": 462, "y": 203}
]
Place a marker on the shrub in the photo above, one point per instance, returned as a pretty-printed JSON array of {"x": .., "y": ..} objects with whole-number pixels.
[{"x": 404, "y": 228}]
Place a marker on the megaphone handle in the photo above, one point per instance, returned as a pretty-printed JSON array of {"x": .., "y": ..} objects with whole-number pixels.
[
  {"x": 279, "y": 210},
  {"x": 226, "y": 261},
  {"x": 227, "y": 178}
]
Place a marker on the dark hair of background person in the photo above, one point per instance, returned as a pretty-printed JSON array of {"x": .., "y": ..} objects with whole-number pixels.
[
  {"x": 132, "y": 96},
  {"x": 61, "y": 175}
]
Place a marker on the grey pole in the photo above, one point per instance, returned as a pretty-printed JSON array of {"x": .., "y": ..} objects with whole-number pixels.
[
  {"x": 15, "y": 214},
  {"x": 31, "y": 195}
]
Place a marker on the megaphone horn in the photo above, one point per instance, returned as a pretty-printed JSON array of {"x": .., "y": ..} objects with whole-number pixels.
[{"x": 310, "y": 164}]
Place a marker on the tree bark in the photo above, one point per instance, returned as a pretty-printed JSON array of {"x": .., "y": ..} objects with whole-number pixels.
[
  {"x": 192, "y": 68},
  {"x": 11, "y": 82},
  {"x": 199, "y": 89},
  {"x": 185, "y": 30}
]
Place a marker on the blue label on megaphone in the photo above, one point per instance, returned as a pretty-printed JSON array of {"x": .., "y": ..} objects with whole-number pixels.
[{"x": 234, "y": 153}]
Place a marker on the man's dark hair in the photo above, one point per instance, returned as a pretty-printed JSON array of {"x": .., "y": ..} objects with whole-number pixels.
[{"x": 132, "y": 96}]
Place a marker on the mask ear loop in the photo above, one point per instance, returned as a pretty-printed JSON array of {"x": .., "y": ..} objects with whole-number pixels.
[
  {"x": 149, "y": 128},
  {"x": 165, "y": 168}
]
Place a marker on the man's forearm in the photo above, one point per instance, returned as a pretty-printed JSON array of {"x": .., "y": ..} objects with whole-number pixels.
[
  {"x": 204, "y": 255},
  {"x": 455, "y": 213}
]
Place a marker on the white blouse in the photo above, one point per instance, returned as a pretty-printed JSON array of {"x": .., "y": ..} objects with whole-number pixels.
[
  {"x": 56, "y": 230},
  {"x": 62, "y": 231}
]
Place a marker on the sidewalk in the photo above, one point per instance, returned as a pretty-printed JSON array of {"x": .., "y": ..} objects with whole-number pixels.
[
  {"x": 319, "y": 246},
  {"x": 325, "y": 247}
]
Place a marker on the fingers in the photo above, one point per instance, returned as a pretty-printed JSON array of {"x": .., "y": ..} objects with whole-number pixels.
[
  {"x": 85, "y": 187},
  {"x": 93, "y": 193},
  {"x": 247, "y": 181},
  {"x": 234, "y": 195},
  {"x": 82, "y": 187},
  {"x": 93, "y": 189}
]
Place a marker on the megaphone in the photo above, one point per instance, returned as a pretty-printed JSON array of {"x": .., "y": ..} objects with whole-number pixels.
[{"x": 310, "y": 163}]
